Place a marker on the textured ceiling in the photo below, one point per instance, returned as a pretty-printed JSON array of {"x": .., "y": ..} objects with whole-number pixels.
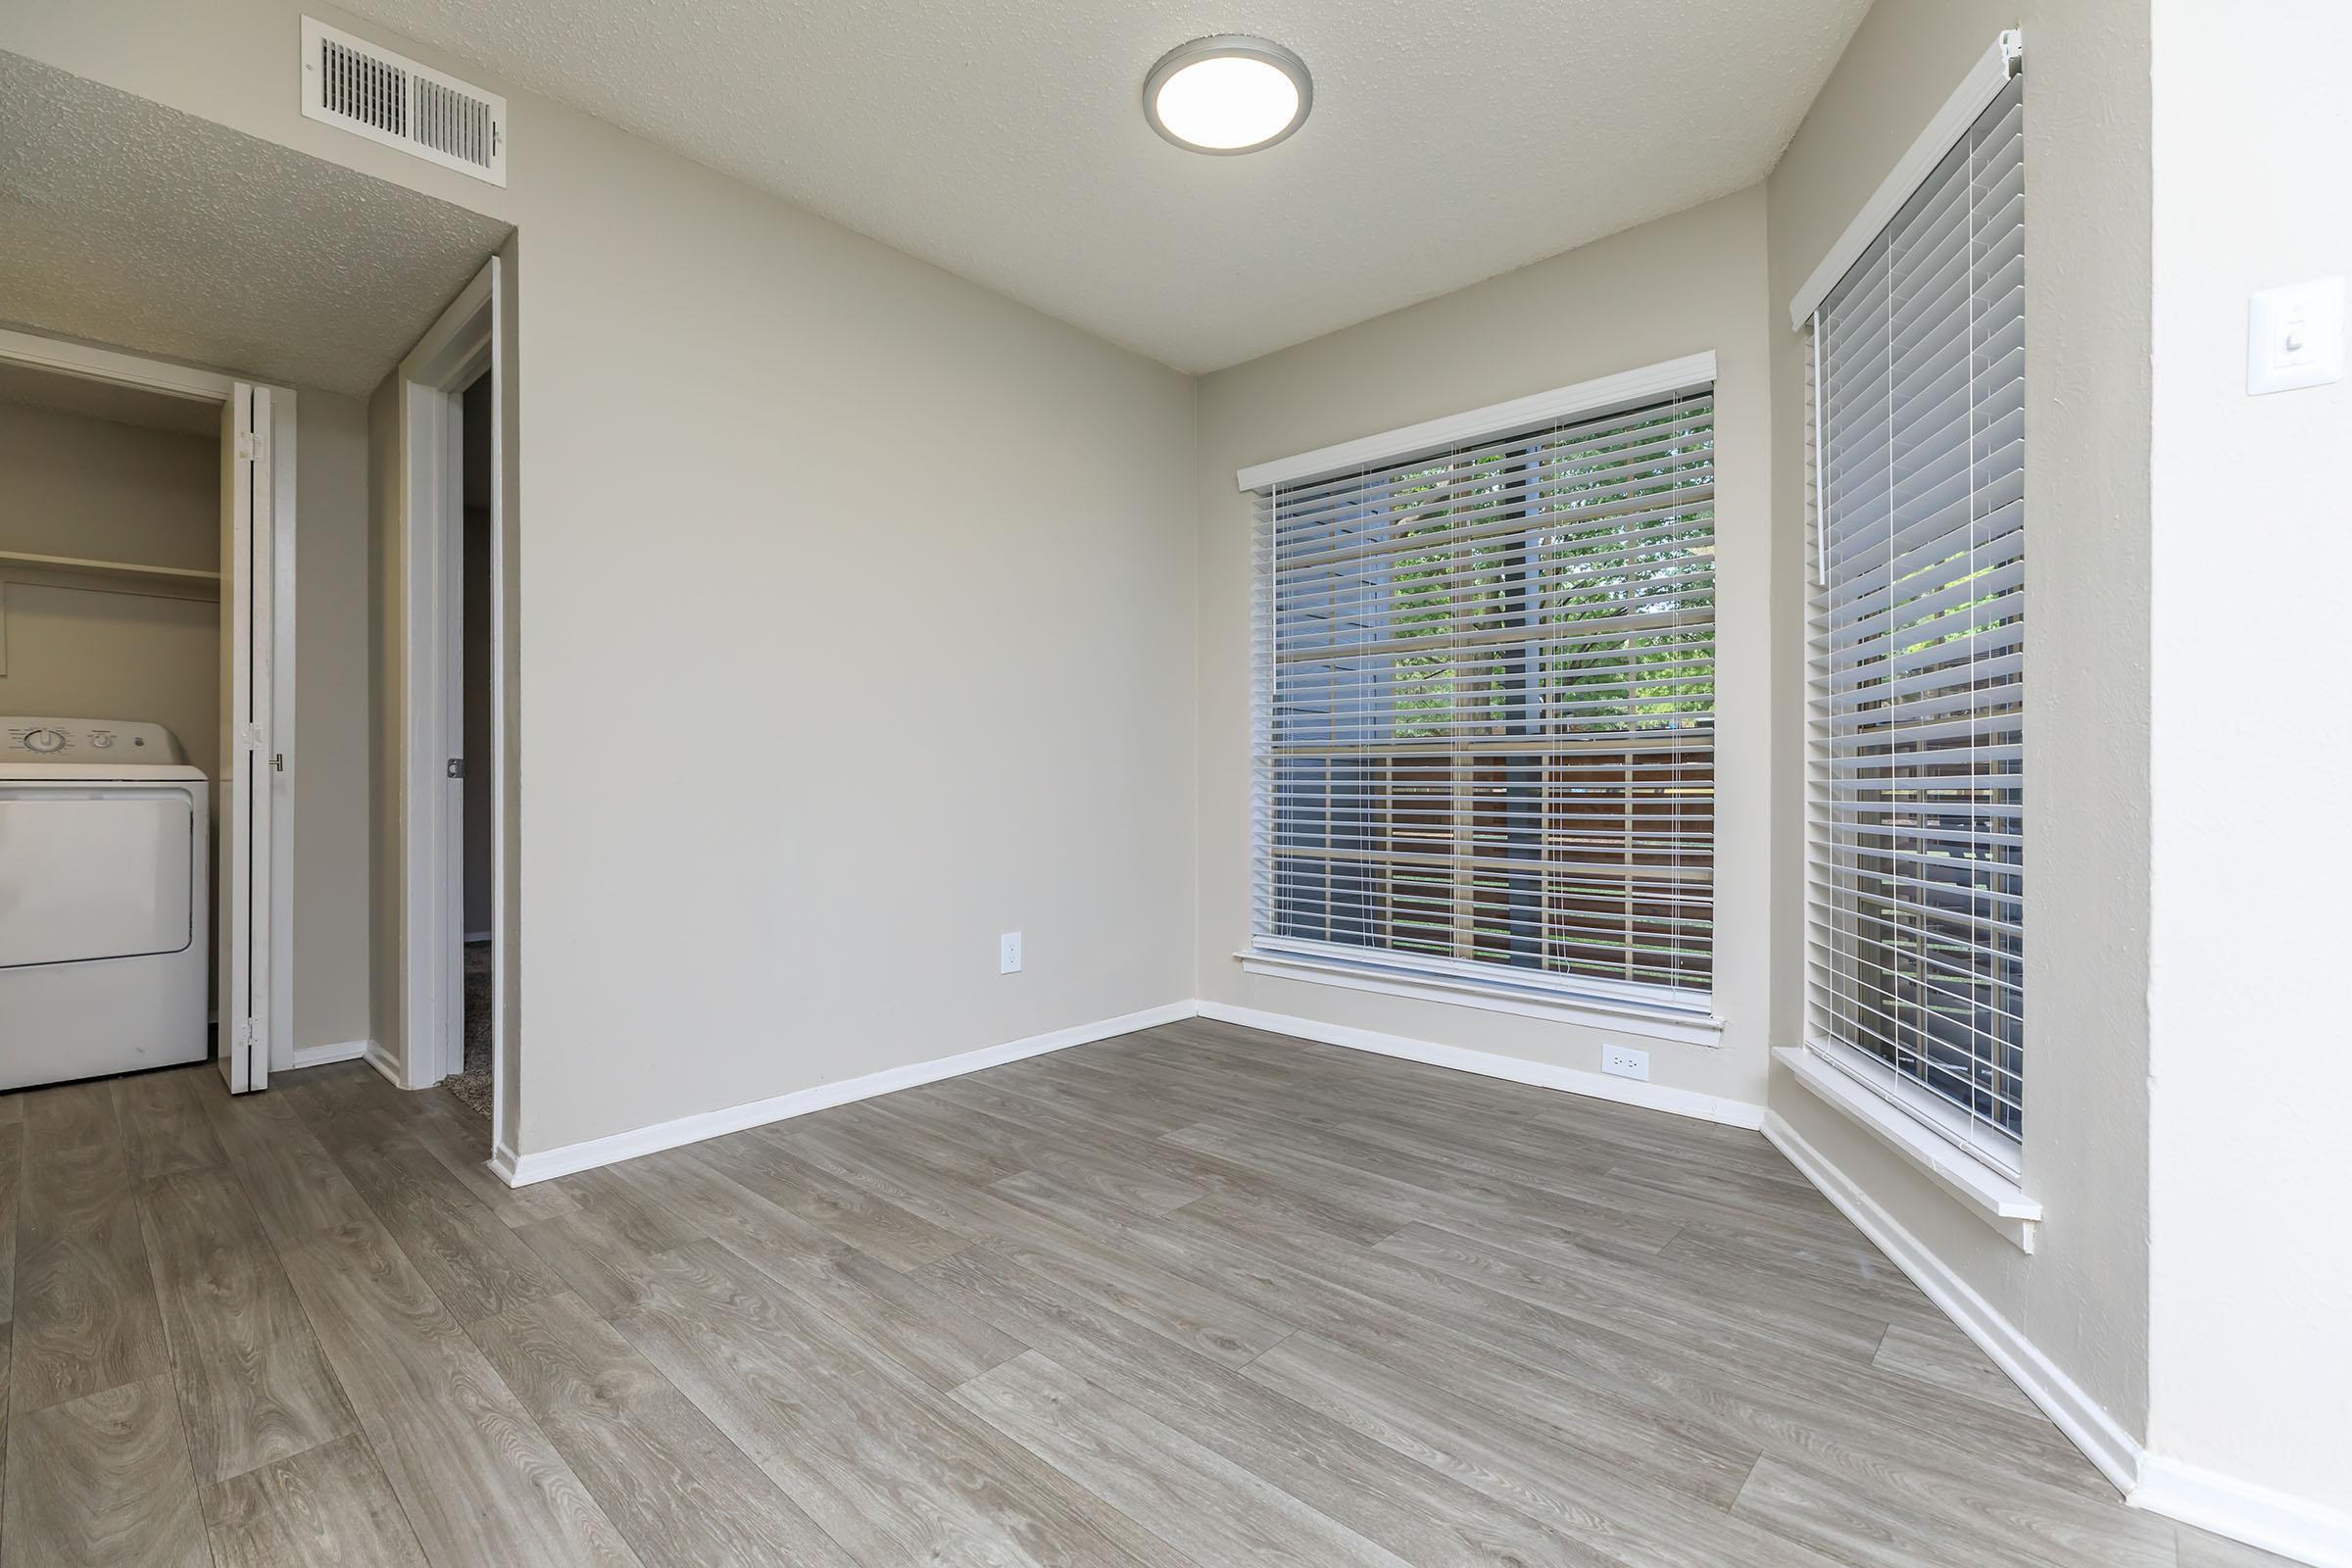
[
  {"x": 1004, "y": 139},
  {"x": 29, "y": 387},
  {"x": 125, "y": 222}
]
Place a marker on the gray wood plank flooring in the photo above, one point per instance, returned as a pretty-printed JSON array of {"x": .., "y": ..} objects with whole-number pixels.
[{"x": 1190, "y": 1298}]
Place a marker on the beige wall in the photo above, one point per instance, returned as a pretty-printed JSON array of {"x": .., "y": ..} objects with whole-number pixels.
[
  {"x": 78, "y": 644},
  {"x": 1673, "y": 287},
  {"x": 856, "y": 628},
  {"x": 2251, "y": 1309},
  {"x": 102, "y": 490},
  {"x": 385, "y": 1002},
  {"x": 900, "y": 570},
  {"x": 88, "y": 647},
  {"x": 2081, "y": 1297},
  {"x": 332, "y": 798}
]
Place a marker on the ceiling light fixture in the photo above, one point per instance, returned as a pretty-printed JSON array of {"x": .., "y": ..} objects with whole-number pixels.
[{"x": 1228, "y": 94}]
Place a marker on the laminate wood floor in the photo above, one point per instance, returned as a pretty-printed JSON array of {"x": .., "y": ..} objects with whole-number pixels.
[{"x": 1197, "y": 1296}]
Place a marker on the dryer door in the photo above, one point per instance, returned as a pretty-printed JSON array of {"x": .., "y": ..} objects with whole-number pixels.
[{"x": 92, "y": 872}]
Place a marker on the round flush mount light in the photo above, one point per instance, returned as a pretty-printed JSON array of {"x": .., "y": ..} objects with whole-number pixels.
[{"x": 1228, "y": 94}]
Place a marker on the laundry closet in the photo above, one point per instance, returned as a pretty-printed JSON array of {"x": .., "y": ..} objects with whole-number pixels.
[
  {"x": 112, "y": 703},
  {"x": 235, "y": 467}
]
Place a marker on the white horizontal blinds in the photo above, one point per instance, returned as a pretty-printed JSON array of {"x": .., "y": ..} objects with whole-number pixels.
[
  {"x": 1918, "y": 644},
  {"x": 1485, "y": 707}
]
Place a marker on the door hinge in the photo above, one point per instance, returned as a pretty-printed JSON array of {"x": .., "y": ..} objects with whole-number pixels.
[
  {"x": 246, "y": 1039},
  {"x": 251, "y": 445},
  {"x": 250, "y": 737},
  {"x": 457, "y": 768}
]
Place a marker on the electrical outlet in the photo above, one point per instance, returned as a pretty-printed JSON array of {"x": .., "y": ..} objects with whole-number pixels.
[
  {"x": 1625, "y": 1061},
  {"x": 1008, "y": 952}
]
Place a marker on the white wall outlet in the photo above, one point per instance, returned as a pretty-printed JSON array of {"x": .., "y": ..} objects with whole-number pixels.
[
  {"x": 1008, "y": 952},
  {"x": 2295, "y": 336},
  {"x": 1625, "y": 1061}
]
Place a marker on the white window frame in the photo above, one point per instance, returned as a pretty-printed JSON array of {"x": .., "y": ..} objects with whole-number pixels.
[
  {"x": 1928, "y": 1131},
  {"x": 1628, "y": 1008}
]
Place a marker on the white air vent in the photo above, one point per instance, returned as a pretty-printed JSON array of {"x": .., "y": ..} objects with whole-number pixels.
[{"x": 367, "y": 89}]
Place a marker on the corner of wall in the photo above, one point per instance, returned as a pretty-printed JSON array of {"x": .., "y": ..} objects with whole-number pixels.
[
  {"x": 1200, "y": 687},
  {"x": 2070, "y": 1321},
  {"x": 385, "y": 1029}
]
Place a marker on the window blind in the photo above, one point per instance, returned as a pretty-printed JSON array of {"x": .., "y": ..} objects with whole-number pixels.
[
  {"x": 1485, "y": 709},
  {"x": 1917, "y": 700}
]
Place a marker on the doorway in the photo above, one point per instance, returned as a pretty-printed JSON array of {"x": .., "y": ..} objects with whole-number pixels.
[
  {"x": 143, "y": 561},
  {"x": 453, "y": 929}
]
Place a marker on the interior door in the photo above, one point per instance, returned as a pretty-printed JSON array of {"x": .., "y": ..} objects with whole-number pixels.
[
  {"x": 247, "y": 533},
  {"x": 449, "y": 950}
]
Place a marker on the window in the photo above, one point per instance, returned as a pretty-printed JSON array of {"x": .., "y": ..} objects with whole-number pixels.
[
  {"x": 1917, "y": 699},
  {"x": 1485, "y": 706}
]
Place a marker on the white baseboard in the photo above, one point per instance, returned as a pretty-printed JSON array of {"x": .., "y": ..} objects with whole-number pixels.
[
  {"x": 522, "y": 1170},
  {"x": 320, "y": 1055},
  {"x": 376, "y": 1057},
  {"x": 2085, "y": 1422},
  {"x": 1486, "y": 1065},
  {"x": 2276, "y": 1523}
]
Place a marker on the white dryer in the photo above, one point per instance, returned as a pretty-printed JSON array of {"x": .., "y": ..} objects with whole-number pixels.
[{"x": 105, "y": 897}]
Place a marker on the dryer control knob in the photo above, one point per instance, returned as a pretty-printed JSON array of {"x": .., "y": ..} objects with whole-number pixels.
[{"x": 44, "y": 740}]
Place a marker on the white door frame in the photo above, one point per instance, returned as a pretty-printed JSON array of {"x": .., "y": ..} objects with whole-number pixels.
[
  {"x": 433, "y": 381},
  {"x": 91, "y": 362}
]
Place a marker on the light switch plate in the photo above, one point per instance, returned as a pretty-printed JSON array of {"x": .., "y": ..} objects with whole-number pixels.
[{"x": 2295, "y": 336}]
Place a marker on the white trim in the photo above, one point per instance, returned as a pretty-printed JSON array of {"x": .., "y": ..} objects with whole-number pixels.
[
  {"x": 284, "y": 432},
  {"x": 1479, "y": 424},
  {"x": 2292, "y": 1526},
  {"x": 1924, "y": 1108},
  {"x": 432, "y": 378},
  {"x": 504, "y": 1074},
  {"x": 2087, "y": 1425},
  {"x": 376, "y": 1057},
  {"x": 340, "y": 1050},
  {"x": 1486, "y": 1065},
  {"x": 93, "y": 364},
  {"x": 1992, "y": 1197},
  {"x": 1689, "y": 1028},
  {"x": 522, "y": 1170},
  {"x": 1979, "y": 87}
]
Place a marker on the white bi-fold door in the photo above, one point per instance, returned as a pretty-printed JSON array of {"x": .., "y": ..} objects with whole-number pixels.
[{"x": 248, "y": 757}]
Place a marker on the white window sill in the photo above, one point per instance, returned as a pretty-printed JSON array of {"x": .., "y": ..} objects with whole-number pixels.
[
  {"x": 1626, "y": 1018},
  {"x": 1990, "y": 1196}
]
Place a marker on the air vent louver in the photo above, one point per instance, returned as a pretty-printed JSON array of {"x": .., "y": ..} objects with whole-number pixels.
[{"x": 372, "y": 92}]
